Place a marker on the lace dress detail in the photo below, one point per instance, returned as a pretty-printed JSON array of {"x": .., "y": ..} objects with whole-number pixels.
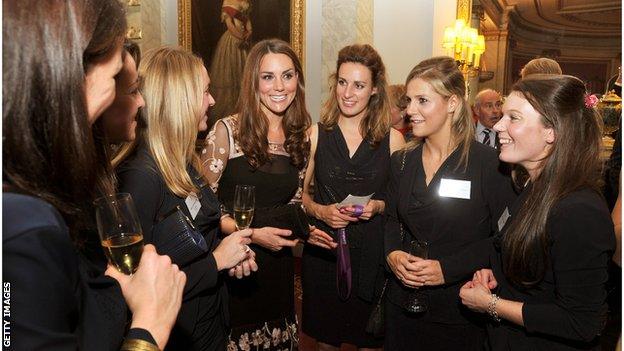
[{"x": 261, "y": 305}]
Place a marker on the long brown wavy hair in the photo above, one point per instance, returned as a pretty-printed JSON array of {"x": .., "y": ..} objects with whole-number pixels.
[
  {"x": 573, "y": 163},
  {"x": 48, "y": 146},
  {"x": 376, "y": 124},
  {"x": 253, "y": 124},
  {"x": 446, "y": 79}
]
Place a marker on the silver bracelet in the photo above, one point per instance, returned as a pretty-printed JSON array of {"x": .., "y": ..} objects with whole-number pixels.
[{"x": 491, "y": 310}]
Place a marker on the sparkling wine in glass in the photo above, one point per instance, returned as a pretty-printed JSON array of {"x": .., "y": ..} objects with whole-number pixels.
[
  {"x": 120, "y": 231},
  {"x": 244, "y": 202},
  {"x": 415, "y": 301}
]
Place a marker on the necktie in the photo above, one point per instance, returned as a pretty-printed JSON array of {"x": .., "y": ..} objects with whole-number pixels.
[{"x": 486, "y": 137}]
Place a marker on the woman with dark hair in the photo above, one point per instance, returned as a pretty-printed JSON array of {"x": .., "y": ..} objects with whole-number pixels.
[
  {"x": 446, "y": 190},
  {"x": 549, "y": 265},
  {"x": 264, "y": 145},
  {"x": 351, "y": 149},
  {"x": 52, "y": 172}
]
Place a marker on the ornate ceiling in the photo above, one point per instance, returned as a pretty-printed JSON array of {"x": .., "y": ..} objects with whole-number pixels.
[{"x": 555, "y": 24}]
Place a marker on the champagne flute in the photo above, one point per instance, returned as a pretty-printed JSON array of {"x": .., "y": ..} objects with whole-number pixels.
[
  {"x": 415, "y": 301},
  {"x": 244, "y": 202},
  {"x": 120, "y": 231}
]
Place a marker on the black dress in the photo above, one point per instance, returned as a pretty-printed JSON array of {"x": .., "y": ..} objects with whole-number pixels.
[
  {"x": 325, "y": 317},
  {"x": 449, "y": 224},
  {"x": 54, "y": 296},
  {"x": 262, "y": 305},
  {"x": 567, "y": 310},
  {"x": 203, "y": 315}
]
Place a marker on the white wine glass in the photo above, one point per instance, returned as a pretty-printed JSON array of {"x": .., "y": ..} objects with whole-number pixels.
[
  {"x": 244, "y": 203},
  {"x": 415, "y": 302},
  {"x": 120, "y": 231}
]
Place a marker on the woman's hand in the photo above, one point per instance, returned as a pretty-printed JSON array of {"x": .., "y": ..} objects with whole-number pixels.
[
  {"x": 475, "y": 296},
  {"x": 153, "y": 293},
  {"x": 272, "y": 238},
  {"x": 333, "y": 217},
  {"x": 372, "y": 208},
  {"x": 321, "y": 239},
  {"x": 245, "y": 268},
  {"x": 232, "y": 249},
  {"x": 428, "y": 272},
  {"x": 401, "y": 265},
  {"x": 485, "y": 277}
]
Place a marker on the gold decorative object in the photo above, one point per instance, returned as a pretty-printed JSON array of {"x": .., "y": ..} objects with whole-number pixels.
[
  {"x": 610, "y": 109},
  {"x": 466, "y": 45},
  {"x": 134, "y": 2},
  {"x": 134, "y": 33}
]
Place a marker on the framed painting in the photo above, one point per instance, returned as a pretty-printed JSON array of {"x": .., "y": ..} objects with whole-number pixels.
[{"x": 223, "y": 31}]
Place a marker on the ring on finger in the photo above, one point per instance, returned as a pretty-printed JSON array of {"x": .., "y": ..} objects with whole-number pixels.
[{"x": 247, "y": 248}]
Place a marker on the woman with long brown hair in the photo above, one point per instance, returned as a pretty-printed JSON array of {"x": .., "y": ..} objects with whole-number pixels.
[
  {"x": 549, "y": 265},
  {"x": 350, "y": 154},
  {"x": 58, "y": 77},
  {"x": 264, "y": 145},
  {"x": 446, "y": 193}
]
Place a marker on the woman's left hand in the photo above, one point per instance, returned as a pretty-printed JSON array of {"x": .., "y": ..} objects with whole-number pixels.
[
  {"x": 429, "y": 272},
  {"x": 475, "y": 296},
  {"x": 245, "y": 267},
  {"x": 321, "y": 239},
  {"x": 372, "y": 208}
]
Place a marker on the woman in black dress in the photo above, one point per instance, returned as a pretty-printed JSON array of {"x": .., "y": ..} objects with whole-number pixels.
[
  {"x": 60, "y": 60},
  {"x": 549, "y": 265},
  {"x": 351, "y": 150},
  {"x": 264, "y": 145},
  {"x": 446, "y": 190},
  {"x": 163, "y": 172}
]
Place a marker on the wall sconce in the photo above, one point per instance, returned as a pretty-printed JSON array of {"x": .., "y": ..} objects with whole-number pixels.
[{"x": 465, "y": 45}]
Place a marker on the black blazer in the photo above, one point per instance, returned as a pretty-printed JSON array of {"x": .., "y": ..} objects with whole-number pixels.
[
  {"x": 567, "y": 309},
  {"x": 450, "y": 225},
  {"x": 57, "y": 299},
  {"x": 204, "y": 294}
]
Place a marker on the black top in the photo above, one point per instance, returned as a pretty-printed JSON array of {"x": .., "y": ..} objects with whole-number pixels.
[
  {"x": 337, "y": 175},
  {"x": 268, "y": 294},
  {"x": 449, "y": 224},
  {"x": 567, "y": 309},
  {"x": 204, "y": 296},
  {"x": 57, "y": 298}
]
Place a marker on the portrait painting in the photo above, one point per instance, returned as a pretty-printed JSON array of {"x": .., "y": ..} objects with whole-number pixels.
[{"x": 222, "y": 32}]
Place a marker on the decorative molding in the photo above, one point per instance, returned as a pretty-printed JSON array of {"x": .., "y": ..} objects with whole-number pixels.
[
  {"x": 133, "y": 2},
  {"x": 463, "y": 10},
  {"x": 184, "y": 24},
  {"x": 134, "y": 33}
]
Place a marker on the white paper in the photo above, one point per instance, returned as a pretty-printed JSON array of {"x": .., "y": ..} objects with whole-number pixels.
[
  {"x": 351, "y": 200},
  {"x": 459, "y": 189},
  {"x": 193, "y": 205}
]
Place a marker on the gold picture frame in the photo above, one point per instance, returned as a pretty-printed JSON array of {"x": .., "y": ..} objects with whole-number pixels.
[{"x": 297, "y": 26}]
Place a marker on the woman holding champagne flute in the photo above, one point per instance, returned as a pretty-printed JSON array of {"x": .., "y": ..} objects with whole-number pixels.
[
  {"x": 445, "y": 190},
  {"x": 264, "y": 145},
  {"x": 162, "y": 174},
  {"x": 52, "y": 172}
]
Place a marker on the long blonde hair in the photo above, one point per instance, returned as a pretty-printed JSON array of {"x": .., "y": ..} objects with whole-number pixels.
[
  {"x": 173, "y": 93},
  {"x": 446, "y": 79},
  {"x": 376, "y": 124}
]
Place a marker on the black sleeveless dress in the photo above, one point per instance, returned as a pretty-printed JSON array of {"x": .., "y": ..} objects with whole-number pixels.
[
  {"x": 325, "y": 317},
  {"x": 262, "y": 305}
]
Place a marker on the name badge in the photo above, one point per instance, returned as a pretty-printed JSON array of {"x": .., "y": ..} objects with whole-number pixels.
[
  {"x": 503, "y": 219},
  {"x": 459, "y": 189},
  {"x": 193, "y": 205}
]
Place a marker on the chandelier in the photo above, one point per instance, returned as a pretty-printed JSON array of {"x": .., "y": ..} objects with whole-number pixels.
[{"x": 465, "y": 45}]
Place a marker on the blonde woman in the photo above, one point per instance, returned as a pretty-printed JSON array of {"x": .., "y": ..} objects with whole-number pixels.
[
  {"x": 445, "y": 190},
  {"x": 162, "y": 173}
]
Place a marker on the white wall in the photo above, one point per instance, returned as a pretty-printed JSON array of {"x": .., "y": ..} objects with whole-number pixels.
[
  {"x": 169, "y": 21},
  {"x": 313, "y": 79},
  {"x": 408, "y": 31}
]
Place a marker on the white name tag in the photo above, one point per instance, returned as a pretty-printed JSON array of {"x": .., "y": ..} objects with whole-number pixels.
[
  {"x": 193, "y": 205},
  {"x": 459, "y": 189},
  {"x": 503, "y": 219}
]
